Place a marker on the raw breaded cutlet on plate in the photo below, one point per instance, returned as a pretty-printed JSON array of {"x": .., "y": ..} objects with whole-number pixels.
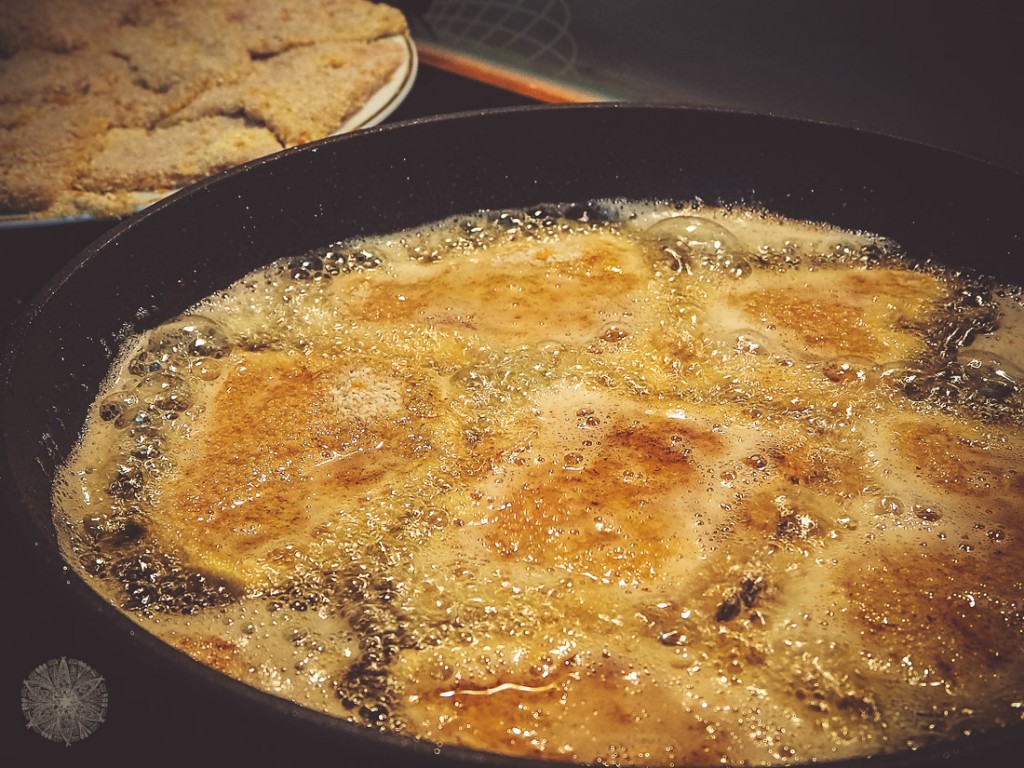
[{"x": 106, "y": 104}]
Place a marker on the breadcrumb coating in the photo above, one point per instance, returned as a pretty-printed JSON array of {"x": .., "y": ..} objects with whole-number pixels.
[{"x": 103, "y": 100}]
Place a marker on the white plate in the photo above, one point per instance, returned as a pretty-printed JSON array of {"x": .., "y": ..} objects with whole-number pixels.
[
  {"x": 386, "y": 100},
  {"x": 376, "y": 109}
]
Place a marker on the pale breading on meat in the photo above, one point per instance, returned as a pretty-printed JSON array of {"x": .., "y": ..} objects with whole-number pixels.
[
  {"x": 35, "y": 80},
  {"x": 181, "y": 51},
  {"x": 271, "y": 27},
  {"x": 41, "y": 76},
  {"x": 296, "y": 69},
  {"x": 346, "y": 73},
  {"x": 75, "y": 203},
  {"x": 59, "y": 25},
  {"x": 41, "y": 157},
  {"x": 171, "y": 157}
]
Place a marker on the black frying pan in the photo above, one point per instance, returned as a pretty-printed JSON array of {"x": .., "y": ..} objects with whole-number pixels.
[{"x": 938, "y": 205}]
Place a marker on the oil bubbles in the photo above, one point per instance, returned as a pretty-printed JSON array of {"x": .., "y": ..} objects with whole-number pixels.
[
  {"x": 693, "y": 244},
  {"x": 192, "y": 342},
  {"x": 989, "y": 375}
]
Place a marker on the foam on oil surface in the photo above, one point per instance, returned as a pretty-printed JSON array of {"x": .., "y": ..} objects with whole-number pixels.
[{"x": 620, "y": 481}]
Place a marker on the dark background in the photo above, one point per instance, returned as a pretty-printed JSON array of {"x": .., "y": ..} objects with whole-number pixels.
[{"x": 947, "y": 74}]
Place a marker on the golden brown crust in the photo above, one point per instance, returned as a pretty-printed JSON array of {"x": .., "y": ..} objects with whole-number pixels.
[
  {"x": 213, "y": 651},
  {"x": 523, "y": 524},
  {"x": 590, "y": 511},
  {"x": 838, "y": 313},
  {"x": 902, "y": 602},
  {"x": 969, "y": 461},
  {"x": 242, "y": 490}
]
